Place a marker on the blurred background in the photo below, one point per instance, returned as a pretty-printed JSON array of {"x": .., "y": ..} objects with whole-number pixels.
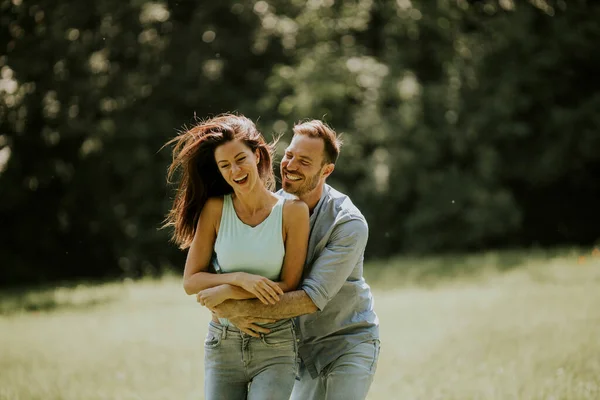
[
  {"x": 472, "y": 146},
  {"x": 467, "y": 124}
]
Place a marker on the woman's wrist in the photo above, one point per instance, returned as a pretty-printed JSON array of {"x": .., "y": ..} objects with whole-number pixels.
[{"x": 237, "y": 278}]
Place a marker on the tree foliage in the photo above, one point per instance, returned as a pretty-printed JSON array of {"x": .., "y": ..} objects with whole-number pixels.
[{"x": 466, "y": 124}]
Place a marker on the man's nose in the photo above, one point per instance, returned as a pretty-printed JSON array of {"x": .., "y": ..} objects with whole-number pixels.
[{"x": 291, "y": 165}]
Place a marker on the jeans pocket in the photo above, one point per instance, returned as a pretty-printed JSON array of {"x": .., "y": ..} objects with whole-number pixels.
[
  {"x": 212, "y": 341},
  {"x": 281, "y": 338}
]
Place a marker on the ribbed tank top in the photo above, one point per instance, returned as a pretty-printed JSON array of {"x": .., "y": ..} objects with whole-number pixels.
[{"x": 256, "y": 250}]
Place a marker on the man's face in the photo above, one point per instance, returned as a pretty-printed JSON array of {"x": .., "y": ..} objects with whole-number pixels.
[{"x": 302, "y": 165}]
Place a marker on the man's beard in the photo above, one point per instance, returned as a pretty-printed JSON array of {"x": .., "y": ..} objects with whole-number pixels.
[{"x": 308, "y": 185}]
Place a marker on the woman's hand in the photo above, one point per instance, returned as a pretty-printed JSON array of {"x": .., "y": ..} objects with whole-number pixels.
[
  {"x": 214, "y": 296},
  {"x": 264, "y": 289}
]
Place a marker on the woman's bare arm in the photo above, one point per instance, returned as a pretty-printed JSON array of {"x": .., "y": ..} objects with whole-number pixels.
[
  {"x": 296, "y": 230},
  {"x": 196, "y": 276}
]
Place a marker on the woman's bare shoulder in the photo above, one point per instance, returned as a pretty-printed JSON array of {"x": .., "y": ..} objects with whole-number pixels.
[
  {"x": 214, "y": 202},
  {"x": 295, "y": 210},
  {"x": 213, "y": 208}
]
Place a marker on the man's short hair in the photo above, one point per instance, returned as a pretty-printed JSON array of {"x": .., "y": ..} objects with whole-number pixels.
[{"x": 318, "y": 129}]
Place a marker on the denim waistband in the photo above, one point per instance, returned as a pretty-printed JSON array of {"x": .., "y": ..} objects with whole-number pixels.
[{"x": 273, "y": 327}]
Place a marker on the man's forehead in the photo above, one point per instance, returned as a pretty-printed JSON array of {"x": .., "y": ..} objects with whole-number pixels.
[{"x": 306, "y": 146}]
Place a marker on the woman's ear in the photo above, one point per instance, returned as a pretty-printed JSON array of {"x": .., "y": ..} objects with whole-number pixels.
[{"x": 257, "y": 155}]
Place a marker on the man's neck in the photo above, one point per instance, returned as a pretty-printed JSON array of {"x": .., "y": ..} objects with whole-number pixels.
[{"x": 312, "y": 198}]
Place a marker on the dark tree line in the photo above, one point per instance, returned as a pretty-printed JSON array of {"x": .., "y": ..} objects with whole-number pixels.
[{"x": 466, "y": 124}]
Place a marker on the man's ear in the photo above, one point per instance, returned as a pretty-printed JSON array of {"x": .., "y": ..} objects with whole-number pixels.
[{"x": 328, "y": 169}]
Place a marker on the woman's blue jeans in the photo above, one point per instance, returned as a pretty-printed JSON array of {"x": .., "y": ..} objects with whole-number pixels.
[{"x": 239, "y": 366}]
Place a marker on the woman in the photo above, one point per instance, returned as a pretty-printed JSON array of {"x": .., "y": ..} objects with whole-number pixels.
[{"x": 224, "y": 204}]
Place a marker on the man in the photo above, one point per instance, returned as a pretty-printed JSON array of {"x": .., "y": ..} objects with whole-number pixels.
[{"x": 338, "y": 330}]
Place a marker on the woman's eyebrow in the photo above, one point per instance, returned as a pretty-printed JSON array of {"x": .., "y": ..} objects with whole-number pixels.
[{"x": 221, "y": 161}]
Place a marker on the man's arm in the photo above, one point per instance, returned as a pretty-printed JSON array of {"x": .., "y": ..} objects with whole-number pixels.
[
  {"x": 291, "y": 304},
  {"x": 343, "y": 252},
  {"x": 329, "y": 271}
]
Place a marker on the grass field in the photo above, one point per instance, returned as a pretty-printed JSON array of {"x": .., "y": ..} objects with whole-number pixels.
[{"x": 510, "y": 325}]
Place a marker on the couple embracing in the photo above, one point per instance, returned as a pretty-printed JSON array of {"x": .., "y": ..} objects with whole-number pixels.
[{"x": 292, "y": 313}]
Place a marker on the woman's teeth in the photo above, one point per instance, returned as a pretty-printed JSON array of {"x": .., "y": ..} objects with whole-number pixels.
[{"x": 238, "y": 180}]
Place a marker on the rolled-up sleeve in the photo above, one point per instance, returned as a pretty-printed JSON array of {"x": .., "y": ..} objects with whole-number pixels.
[{"x": 332, "y": 267}]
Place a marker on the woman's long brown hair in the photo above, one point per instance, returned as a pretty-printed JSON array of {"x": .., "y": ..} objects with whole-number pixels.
[{"x": 198, "y": 175}]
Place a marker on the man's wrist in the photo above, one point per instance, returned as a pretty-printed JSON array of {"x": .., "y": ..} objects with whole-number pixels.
[{"x": 226, "y": 309}]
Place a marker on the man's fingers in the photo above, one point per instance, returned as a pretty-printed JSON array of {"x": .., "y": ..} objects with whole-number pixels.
[
  {"x": 257, "y": 328},
  {"x": 249, "y": 332}
]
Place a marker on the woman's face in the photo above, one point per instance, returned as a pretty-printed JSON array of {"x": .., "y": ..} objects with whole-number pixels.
[{"x": 238, "y": 165}]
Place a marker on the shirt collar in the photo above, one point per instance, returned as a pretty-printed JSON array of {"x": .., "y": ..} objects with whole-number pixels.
[{"x": 319, "y": 205}]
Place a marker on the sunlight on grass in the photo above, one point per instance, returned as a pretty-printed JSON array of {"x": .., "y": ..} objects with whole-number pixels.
[{"x": 510, "y": 325}]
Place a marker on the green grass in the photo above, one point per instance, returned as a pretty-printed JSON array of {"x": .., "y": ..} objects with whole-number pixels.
[{"x": 509, "y": 325}]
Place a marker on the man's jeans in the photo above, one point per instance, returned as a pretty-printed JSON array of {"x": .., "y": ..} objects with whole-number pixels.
[
  {"x": 239, "y": 366},
  {"x": 347, "y": 378}
]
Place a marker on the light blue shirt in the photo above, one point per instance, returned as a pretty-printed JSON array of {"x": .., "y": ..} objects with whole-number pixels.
[{"x": 333, "y": 279}]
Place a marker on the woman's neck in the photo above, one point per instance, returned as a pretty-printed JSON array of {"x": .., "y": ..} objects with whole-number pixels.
[{"x": 254, "y": 200}]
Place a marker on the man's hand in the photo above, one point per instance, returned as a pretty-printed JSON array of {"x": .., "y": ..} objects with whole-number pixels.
[
  {"x": 226, "y": 309},
  {"x": 248, "y": 325}
]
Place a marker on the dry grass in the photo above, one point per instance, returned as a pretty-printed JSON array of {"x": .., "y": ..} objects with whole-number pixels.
[{"x": 510, "y": 325}]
